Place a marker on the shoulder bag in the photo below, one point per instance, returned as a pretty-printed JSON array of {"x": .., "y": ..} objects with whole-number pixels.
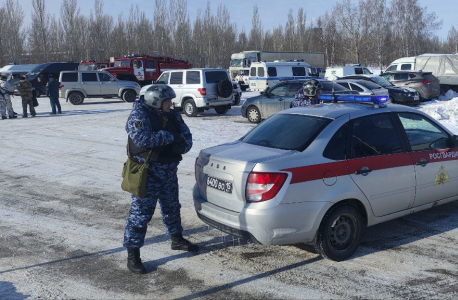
[{"x": 134, "y": 175}]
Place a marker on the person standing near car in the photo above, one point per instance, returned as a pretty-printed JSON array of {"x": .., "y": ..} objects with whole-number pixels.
[
  {"x": 5, "y": 91},
  {"x": 52, "y": 91},
  {"x": 309, "y": 94},
  {"x": 153, "y": 125},
  {"x": 25, "y": 90}
]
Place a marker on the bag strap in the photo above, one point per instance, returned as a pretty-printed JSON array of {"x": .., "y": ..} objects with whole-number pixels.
[{"x": 147, "y": 158}]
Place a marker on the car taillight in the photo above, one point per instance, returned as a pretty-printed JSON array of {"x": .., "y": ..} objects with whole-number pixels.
[
  {"x": 263, "y": 186},
  {"x": 202, "y": 91},
  {"x": 427, "y": 81},
  {"x": 61, "y": 87}
]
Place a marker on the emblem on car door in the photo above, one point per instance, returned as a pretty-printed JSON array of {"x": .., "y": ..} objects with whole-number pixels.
[{"x": 441, "y": 177}]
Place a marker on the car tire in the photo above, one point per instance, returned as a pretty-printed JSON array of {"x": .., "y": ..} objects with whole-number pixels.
[
  {"x": 224, "y": 88},
  {"x": 243, "y": 89},
  {"x": 76, "y": 98},
  {"x": 129, "y": 96},
  {"x": 189, "y": 108},
  {"x": 340, "y": 233},
  {"x": 221, "y": 110},
  {"x": 253, "y": 114}
]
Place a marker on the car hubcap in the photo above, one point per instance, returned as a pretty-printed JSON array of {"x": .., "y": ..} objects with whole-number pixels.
[
  {"x": 189, "y": 109},
  {"x": 130, "y": 96},
  {"x": 341, "y": 232},
  {"x": 253, "y": 115}
]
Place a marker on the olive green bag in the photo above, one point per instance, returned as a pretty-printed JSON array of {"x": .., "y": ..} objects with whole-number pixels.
[{"x": 134, "y": 175}]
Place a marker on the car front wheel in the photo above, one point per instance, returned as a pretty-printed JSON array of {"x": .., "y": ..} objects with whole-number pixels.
[
  {"x": 340, "y": 233},
  {"x": 253, "y": 114},
  {"x": 76, "y": 98},
  {"x": 129, "y": 96},
  {"x": 190, "y": 108}
]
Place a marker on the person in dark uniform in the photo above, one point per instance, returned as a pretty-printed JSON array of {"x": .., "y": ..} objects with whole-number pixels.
[
  {"x": 153, "y": 125},
  {"x": 309, "y": 94}
]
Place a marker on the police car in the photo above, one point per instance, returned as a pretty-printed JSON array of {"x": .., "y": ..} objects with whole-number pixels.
[{"x": 322, "y": 174}]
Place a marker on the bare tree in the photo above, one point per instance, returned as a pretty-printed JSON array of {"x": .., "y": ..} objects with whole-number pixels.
[
  {"x": 69, "y": 13},
  {"x": 255, "y": 39},
  {"x": 452, "y": 40},
  {"x": 39, "y": 33},
  {"x": 101, "y": 26}
]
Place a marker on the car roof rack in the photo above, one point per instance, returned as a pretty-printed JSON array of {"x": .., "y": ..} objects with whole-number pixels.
[{"x": 379, "y": 101}]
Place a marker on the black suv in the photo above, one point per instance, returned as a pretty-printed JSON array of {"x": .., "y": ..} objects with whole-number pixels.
[
  {"x": 407, "y": 96},
  {"x": 425, "y": 83}
]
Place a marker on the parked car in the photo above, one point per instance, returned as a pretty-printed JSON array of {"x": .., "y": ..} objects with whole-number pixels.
[
  {"x": 425, "y": 83},
  {"x": 333, "y": 73},
  {"x": 322, "y": 174},
  {"x": 401, "y": 95},
  {"x": 237, "y": 91},
  {"x": 280, "y": 96},
  {"x": 39, "y": 76},
  {"x": 198, "y": 89},
  {"x": 77, "y": 85},
  {"x": 363, "y": 87}
]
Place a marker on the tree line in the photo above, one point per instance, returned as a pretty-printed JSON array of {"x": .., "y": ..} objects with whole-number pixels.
[{"x": 373, "y": 32}]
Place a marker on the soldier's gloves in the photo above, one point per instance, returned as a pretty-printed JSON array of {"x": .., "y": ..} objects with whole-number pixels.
[{"x": 179, "y": 144}]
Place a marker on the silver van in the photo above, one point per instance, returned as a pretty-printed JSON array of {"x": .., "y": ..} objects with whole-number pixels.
[{"x": 77, "y": 85}]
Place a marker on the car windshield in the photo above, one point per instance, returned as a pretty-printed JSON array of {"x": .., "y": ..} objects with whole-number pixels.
[
  {"x": 236, "y": 62},
  {"x": 381, "y": 81},
  {"x": 275, "y": 132},
  {"x": 34, "y": 73},
  {"x": 122, "y": 63}
]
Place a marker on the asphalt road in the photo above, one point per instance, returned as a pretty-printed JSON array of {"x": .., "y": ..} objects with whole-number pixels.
[{"x": 62, "y": 217}]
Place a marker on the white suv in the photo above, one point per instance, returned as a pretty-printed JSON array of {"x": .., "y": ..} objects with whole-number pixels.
[
  {"x": 198, "y": 89},
  {"x": 77, "y": 85}
]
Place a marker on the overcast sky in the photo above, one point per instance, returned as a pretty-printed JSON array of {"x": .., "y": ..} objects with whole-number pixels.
[{"x": 272, "y": 13}]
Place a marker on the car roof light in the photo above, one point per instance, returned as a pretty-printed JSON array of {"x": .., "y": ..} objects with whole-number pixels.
[{"x": 377, "y": 100}]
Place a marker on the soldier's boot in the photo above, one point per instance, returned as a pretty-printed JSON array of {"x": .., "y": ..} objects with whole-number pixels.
[
  {"x": 134, "y": 262},
  {"x": 180, "y": 243},
  {"x": 24, "y": 112}
]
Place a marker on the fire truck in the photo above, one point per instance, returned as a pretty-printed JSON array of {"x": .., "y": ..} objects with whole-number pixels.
[{"x": 144, "y": 68}]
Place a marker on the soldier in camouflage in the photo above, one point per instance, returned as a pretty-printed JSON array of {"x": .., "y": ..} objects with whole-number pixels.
[
  {"x": 308, "y": 95},
  {"x": 25, "y": 90},
  {"x": 153, "y": 125}
]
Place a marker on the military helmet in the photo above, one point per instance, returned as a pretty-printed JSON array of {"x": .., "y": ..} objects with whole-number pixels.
[
  {"x": 156, "y": 94},
  {"x": 311, "y": 86}
]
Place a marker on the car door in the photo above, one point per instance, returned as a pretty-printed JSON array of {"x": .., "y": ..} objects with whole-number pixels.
[
  {"x": 90, "y": 83},
  {"x": 435, "y": 159},
  {"x": 294, "y": 87},
  {"x": 176, "y": 83},
  {"x": 108, "y": 84},
  {"x": 379, "y": 164},
  {"x": 139, "y": 71},
  {"x": 274, "y": 100}
]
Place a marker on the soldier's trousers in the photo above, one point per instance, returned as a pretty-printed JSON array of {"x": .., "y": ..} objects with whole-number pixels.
[
  {"x": 29, "y": 102},
  {"x": 162, "y": 186},
  {"x": 5, "y": 105}
]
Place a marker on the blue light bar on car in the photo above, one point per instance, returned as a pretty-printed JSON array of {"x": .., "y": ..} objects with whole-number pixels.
[{"x": 378, "y": 100}]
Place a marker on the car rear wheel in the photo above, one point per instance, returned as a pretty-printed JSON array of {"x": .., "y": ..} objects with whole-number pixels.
[
  {"x": 129, "y": 96},
  {"x": 190, "y": 108},
  {"x": 221, "y": 110},
  {"x": 253, "y": 114},
  {"x": 340, "y": 233},
  {"x": 76, "y": 98}
]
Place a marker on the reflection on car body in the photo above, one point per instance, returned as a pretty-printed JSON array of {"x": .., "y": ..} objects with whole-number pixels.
[{"x": 321, "y": 174}]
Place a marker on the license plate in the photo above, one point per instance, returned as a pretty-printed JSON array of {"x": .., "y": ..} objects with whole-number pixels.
[{"x": 219, "y": 184}]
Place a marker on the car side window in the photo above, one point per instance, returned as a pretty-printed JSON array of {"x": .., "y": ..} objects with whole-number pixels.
[
  {"x": 392, "y": 68},
  {"x": 272, "y": 71},
  {"x": 337, "y": 145},
  {"x": 298, "y": 71},
  {"x": 402, "y": 76},
  {"x": 164, "y": 78},
  {"x": 260, "y": 72},
  {"x": 192, "y": 77},
  {"x": 374, "y": 135},
  {"x": 294, "y": 88},
  {"x": 356, "y": 88},
  {"x": 150, "y": 64},
  {"x": 104, "y": 77},
  {"x": 345, "y": 85},
  {"x": 89, "y": 77},
  {"x": 279, "y": 90},
  {"x": 69, "y": 77},
  {"x": 406, "y": 67},
  {"x": 423, "y": 134},
  {"x": 176, "y": 78},
  {"x": 387, "y": 76}
]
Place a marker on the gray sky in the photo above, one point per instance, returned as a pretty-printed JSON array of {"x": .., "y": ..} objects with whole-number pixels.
[{"x": 272, "y": 13}]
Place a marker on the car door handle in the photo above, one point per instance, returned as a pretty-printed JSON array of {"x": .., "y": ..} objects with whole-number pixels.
[
  {"x": 363, "y": 171},
  {"x": 422, "y": 162},
  {"x": 280, "y": 99}
]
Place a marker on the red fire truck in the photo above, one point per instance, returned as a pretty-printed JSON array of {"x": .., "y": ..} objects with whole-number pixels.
[
  {"x": 144, "y": 68},
  {"x": 92, "y": 65}
]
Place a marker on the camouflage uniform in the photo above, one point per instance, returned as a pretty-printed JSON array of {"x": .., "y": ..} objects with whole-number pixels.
[
  {"x": 301, "y": 100},
  {"x": 162, "y": 182},
  {"x": 5, "y": 99},
  {"x": 25, "y": 90}
]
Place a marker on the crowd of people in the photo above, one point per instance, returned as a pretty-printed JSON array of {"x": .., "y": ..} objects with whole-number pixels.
[{"x": 28, "y": 97}]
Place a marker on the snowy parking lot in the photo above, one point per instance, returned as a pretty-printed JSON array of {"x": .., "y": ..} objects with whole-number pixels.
[{"x": 62, "y": 218}]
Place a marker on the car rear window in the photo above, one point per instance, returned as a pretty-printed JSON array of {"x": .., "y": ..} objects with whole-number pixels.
[
  {"x": 215, "y": 76},
  {"x": 369, "y": 85},
  {"x": 275, "y": 132},
  {"x": 430, "y": 77},
  {"x": 69, "y": 77},
  {"x": 330, "y": 86}
]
